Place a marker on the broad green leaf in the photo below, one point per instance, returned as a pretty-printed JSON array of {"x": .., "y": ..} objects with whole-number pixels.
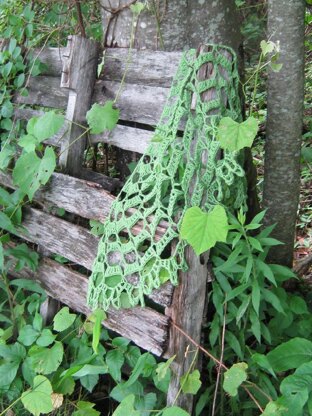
[
  {"x": 274, "y": 409},
  {"x": 234, "y": 377},
  {"x": 290, "y": 354},
  {"x": 8, "y": 371},
  {"x": 115, "y": 360},
  {"x": 48, "y": 125},
  {"x": 235, "y": 136},
  {"x": 46, "y": 360},
  {"x": 119, "y": 392},
  {"x": 146, "y": 403},
  {"x": 174, "y": 411},
  {"x": 28, "y": 142},
  {"x": 6, "y": 155},
  {"x": 63, "y": 319},
  {"x": 30, "y": 171},
  {"x": 255, "y": 243},
  {"x": 101, "y": 118},
  {"x": 46, "y": 338},
  {"x": 28, "y": 335},
  {"x": 298, "y": 305},
  {"x": 126, "y": 407},
  {"x": 38, "y": 399},
  {"x": 266, "y": 270},
  {"x": 191, "y": 383},
  {"x": 202, "y": 230},
  {"x": 86, "y": 409}
]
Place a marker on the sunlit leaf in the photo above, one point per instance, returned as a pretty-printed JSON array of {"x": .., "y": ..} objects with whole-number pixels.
[
  {"x": 102, "y": 117},
  {"x": 235, "y": 136}
]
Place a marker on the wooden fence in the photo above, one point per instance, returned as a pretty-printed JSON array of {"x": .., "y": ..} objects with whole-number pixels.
[{"x": 67, "y": 84}]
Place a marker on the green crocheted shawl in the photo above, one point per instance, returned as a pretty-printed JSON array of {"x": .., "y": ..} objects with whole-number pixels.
[{"x": 141, "y": 248}]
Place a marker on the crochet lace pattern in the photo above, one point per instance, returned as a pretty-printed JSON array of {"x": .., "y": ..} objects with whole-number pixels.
[{"x": 140, "y": 248}]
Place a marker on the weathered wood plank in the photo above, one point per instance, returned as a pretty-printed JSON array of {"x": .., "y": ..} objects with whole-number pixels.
[
  {"x": 138, "y": 103},
  {"x": 146, "y": 67},
  {"x": 78, "y": 76},
  {"x": 124, "y": 137},
  {"x": 127, "y": 138},
  {"x": 144, "y": 326},
  {"x": 45, "y": 91},
  {"x": 60, "y": 237},
  {"x": 52, "y": 58},
  {"x": 80, "y": 197},
  {"x": 73, "y": 242}
]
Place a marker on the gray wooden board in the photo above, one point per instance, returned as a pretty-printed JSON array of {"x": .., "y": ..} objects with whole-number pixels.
[
  {"x": 124, "y": 137},
  {"x": 73, "y": 242},
  {"x": 137, "y": 103},
  {"x": 145, "y": 66},
  {"x": 144, "y": 326},
  {"x": 45, "y": 91}
]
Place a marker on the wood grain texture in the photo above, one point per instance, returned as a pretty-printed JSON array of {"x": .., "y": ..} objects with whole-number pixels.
[
  {"x": 146, "y": 67},
  {"x": 124, "y": 137},
  {"x": 78, "y": 75},
  {"x": 73, "y": 242},
  {"x": 44, "y": 91},
  {"x": 139, "y": 103},
  {"x": 144, "y": 326}
]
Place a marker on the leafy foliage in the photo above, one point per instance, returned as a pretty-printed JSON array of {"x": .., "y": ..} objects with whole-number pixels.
[
  {"x": 235, "y": 136},
  {"x": 202, "y": 230}
]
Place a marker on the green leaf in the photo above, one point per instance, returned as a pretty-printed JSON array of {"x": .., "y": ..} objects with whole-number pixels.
[
  {"x": 46, "y": 338},
  {"x": 274, "y": 409},
  {"x": 47, "y": 125},
  {"x": 202, "y": 230},
  {"x": 38, "y": 399},
  {"x": 174, "y": 411},
  {"x": 298, "y": 305},
  {"x": 234, "y": 344},
  {"x": 99, "y": 315},
  {"x": 63, "y": 319},
  {"x": 86, "y": 409},
  {"x": 137, "y": 8},
  {"x": 234, "y": 377},
  {"x": 115, "y": 360},
  {"x": 8, "y": 372},
  {"x": 6, "y": 223},
  {"x": 290, "y": 354},
  {"x": 255, "y": 243},
  {"x": 89, "y": 369},
  {"x": 267, "y": 47},
  {"x": 30, "y": 171},
  {"x": 191, "y": 383},
  {"x": 235, "y": 136},
  {"x": 255, "y": 296},
  {"x": 163, "y": 368},
  {"x": 138, "y": 369},
  {"x": 101, "y": 118},
  {"x": 46, "y": 360},
  {"x": 126, "y": 407},
  {"x": 266, "y": 271},
  {"x": 6, "y": 155},
  {"x": 263, "y": 362},
  {"x": 28, "y": 142},
  {"x": 27, "y": 335}
]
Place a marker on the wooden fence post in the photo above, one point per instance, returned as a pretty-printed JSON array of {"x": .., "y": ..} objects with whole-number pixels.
[
  {"x": 189, "y": 297},
  {"x": 78, "y": 75}
]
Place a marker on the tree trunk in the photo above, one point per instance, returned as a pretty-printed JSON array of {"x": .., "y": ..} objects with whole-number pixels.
[
  {"x": 170, "y": 25},
  {"x": 284, "y": 126}
]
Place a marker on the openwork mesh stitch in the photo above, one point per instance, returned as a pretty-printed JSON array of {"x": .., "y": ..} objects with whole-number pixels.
[{"x": 135, "y": 254}]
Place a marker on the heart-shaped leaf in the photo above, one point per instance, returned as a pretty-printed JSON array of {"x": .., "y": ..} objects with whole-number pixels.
[
  {"x": 235, "y": 136},
  {"x": 202, "y": 230}
]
